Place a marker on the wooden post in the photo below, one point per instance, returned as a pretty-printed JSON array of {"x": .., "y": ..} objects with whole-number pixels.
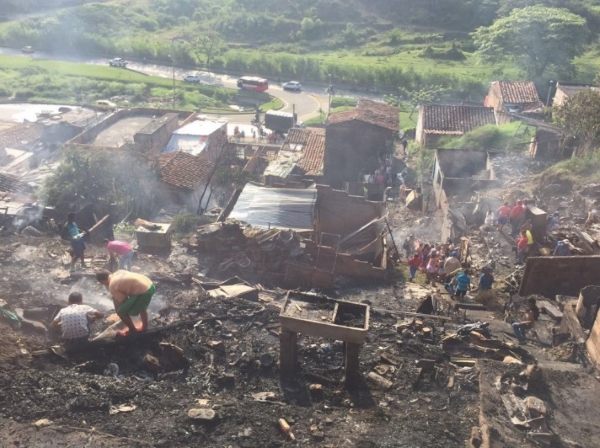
[
  {"x": 287, "y": 351},
  {"x": 351, "y": 366}
]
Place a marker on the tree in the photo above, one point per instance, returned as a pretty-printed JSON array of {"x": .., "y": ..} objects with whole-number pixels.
[
  {"x": 102, "y": 177},
  {"x": 413, "y": 98},
  {"x": 206, "y": 45},
  {"x": 580, "y": 116},
  {"x": 537, "y": 36}
]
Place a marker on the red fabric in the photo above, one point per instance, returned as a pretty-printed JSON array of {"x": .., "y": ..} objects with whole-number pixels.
[
  {"x": 517, "y": 212},
  {"x": 522, "y": 244},
  {"x": 504, "y": 211},
  {"x": 415, "y": 262}
]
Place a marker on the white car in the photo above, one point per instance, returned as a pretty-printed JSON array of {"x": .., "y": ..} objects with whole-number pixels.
[
  {"x": 292, "y": 85},
  {"x": 118, "y": 62},
  {"x": 192, "y": 78}
]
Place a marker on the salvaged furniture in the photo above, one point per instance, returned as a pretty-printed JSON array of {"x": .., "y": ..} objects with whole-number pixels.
[{"x": 323, "y": 317}]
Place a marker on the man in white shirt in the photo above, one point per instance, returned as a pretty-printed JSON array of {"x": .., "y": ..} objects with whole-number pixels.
[{"x": 74, "y": 320}]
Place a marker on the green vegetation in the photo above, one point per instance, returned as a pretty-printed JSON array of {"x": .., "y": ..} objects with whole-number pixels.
[
  {"x": 537, "y": 36},
  {"x": 24, "y": 79},
  {"x": 184, "y": 224},
  {"x": 103, "y": 178},
  {"x": 515, "y": 136},
  {"x": 575, "y": 170},
  {"x": 414, "y": 44},
  {"x": 580, "y": 116}
]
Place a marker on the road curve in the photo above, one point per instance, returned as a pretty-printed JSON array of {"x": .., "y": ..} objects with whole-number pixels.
[{"x": 306, "y": 103}]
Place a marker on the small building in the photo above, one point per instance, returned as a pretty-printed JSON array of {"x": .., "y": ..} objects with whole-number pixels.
[
  {"x": 301, "y": 157},
  {"x": 202, "y": 138},
  {"x": 439, "y": 120},
  {"x": 564, "y": 91},
  {"x": 456, "y": 174},
  {"x": 153, "y": 137},
  {"x": 508, "y": 98},
  {"x": 356, "y": 140},
  {"x": 184, "y": 177}
]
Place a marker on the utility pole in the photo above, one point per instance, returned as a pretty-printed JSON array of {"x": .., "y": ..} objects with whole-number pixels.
[
  {"x": 173, "y": 68},
  {"x": 551, "y": 83},
  {"x": 330, "y": 91}
]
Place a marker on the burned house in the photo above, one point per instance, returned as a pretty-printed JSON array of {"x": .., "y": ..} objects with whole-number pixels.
[
  {"x": 337, "y": 234},
  {"x": 438, "y": 120},
  {"x": 520, "y": 97},
  {"x": 356, "y": 140},
  {"x": 458, "y": 173},
  {"x": 300, "y": 158}
]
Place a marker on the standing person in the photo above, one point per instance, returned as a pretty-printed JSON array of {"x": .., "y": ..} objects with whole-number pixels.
[
  {"x": 431, "y": 270},
  {"x": 120, "y": 249},
  {"x": 463, "y": 284},
  {"x": 522, "y": 247},
  {"x": 489, "y": 218},
  {"x": 503, "y": 216},
  {"x": 531, "y": 316},
  {"x": 404, "y": 143},
  {"x": 553, "y": 222},
  {"x": 517, "y": 215},
  {"x": 72, "y": 233},
  {"x": 409, "y": 245},
  {"x": 486, "y": 280},
  {"x": 131, "y": 294},
  {"x": 414, "y": 263},
  {"x": 74, "y": 320}
]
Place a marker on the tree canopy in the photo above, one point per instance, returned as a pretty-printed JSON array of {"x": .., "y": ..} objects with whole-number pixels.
[
  {"x": 580, "y": 116},
  {"x": 538, "y": 36}
]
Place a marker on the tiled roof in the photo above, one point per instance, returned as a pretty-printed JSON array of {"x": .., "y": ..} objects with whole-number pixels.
[
  {"x": 518, "y": 92},
  {"x": 21, "y": 136},
  {"x": 372, "y": 112},
  {"x": 183, "y": 170},
  {"x": 312, "y": 141},
  {"x": 10, "y": 183},
  {"x": 455, "y": 120}
]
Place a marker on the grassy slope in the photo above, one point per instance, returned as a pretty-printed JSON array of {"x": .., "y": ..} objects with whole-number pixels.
[{"x": 54, "y": 80}]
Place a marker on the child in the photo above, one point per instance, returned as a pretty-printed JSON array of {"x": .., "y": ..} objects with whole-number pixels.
[
  {"x": 74, "y": 320},
  {"x": 463, "y": 284},
  {"x": 413, "y": 265}
]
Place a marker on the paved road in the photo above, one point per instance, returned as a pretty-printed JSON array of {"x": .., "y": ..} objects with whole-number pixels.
[{"x": 307, "y": 103}]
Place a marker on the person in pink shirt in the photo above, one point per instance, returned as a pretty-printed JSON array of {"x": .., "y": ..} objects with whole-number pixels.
[{"x": 122, "y": 250}]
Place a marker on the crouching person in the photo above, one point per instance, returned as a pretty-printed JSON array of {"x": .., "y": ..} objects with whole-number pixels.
[
  {"x": 74, "y": 320},
  {"x": 131, "y": 294}
]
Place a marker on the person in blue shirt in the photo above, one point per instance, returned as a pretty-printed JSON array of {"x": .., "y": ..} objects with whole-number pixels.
[
  {"x": 563, "y": 248},
  {"x": 486, "y": 280},
  {"x": 74, "y": 235},
  {"x": 463, "y": 284}
]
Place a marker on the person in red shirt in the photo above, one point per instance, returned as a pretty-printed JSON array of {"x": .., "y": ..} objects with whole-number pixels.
[
  {"x": 522, "y": 247},
  {"x": 413, "y": 265},
  {"x": 503, "y": 216},
  {"x": 517, "y": 216}
]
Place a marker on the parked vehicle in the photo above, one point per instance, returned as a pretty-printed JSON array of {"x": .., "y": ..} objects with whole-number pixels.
[
  {"x": 118, "y": 62},
  {"x": 106, "y": 105},
  {"x": 278, "y": 121},
  {"x": 27, "y": 49},
  {"x": 253, "y": 83},
  {"x": 292, "y": 85},
  {"x": 192, "y": 78}
]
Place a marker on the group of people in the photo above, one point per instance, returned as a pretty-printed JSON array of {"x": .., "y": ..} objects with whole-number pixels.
[
  {"x": 441, "y": 263},
  {"x": 381, "y": 176},
  {"x": 515, "y": 216},
  {"x": 131, "y": 292}
]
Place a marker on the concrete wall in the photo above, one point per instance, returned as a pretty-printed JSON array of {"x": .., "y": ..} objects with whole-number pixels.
[
  {"x": 154, "y": 142},
  {"x": 352, "y": 148},
  {"x": 551, "y": 276},
  {"x": 89, "y": 135},
  {"x": 341, "y": 214}
]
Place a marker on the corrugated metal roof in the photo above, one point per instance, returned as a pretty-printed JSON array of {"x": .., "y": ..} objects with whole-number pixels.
[
  {"x": 193, "y": 137},
  {"x": 281, "y": 208}
]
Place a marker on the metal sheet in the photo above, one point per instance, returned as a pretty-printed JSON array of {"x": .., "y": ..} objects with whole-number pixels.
[{"x": 281, "y": 208}]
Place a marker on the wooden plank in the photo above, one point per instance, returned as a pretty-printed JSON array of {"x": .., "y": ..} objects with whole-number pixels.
[
  {"x": 550, "y": 309},
  {"x": 570, "y": 320},
  {"x": 408, "y": 313}
]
